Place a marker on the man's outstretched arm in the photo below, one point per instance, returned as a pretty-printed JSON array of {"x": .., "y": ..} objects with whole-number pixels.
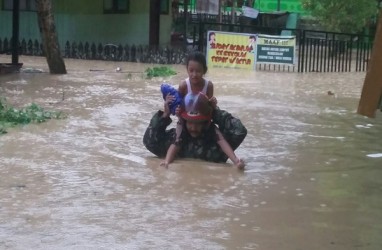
[
  {"x": 156, "y": 138},
  {"x": 231, "y": 128}
]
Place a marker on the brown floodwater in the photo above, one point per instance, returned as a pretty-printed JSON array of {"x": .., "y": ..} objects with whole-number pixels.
[{"x": 312, "y": 181}]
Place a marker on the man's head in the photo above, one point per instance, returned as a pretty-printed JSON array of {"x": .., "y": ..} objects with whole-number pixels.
[
  {"x": 196, "y": 122},
  {"x": 199, "y": 117}
]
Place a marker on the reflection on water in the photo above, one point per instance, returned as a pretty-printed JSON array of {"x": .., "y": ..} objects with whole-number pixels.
[{"x": 88, "y": 182}]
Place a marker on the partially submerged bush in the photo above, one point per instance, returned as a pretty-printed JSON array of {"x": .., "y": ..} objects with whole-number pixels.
[
  {"x": 10, "y": 116},
  {"x": 159, "y": 71}
]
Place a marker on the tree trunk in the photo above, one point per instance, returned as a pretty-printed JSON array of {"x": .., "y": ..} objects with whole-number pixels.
[
  {"x": 372, "y": 86},
  {"x": 154, "y": 22},
  {"x": 49, "y": 37},
  {"x": 15, "y": 31},
  {"x": 233, "y": 11},
  {"x": 185, "y": 11},
  {"x": 220, "y": 15}
]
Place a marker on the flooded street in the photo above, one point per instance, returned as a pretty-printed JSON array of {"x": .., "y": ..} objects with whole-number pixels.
[{"x": 312, "y": 181}]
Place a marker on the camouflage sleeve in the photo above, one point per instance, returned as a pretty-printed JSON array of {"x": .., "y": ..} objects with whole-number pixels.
[
  {"x": 231, "y": 128},
  {"x": 156, "y": 138}
]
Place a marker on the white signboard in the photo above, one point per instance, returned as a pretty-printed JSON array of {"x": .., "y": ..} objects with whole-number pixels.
[{"x": 250, "y": 12}]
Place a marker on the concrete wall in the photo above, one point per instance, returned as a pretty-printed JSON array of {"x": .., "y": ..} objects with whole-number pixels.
[{"x": 84, "y": 21}]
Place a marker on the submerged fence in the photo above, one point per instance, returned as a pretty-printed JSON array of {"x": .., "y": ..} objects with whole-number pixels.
[{"x": 109, "y": 52}]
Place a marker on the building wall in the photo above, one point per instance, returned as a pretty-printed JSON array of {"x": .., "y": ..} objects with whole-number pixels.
[
  {"x": 264, "y": 5},
  {"x": 285, "y": 5},
  {"x": 84, "y": 21}
]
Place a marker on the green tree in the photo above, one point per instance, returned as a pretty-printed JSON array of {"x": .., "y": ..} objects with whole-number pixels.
[{"x": 347, "y": 16}]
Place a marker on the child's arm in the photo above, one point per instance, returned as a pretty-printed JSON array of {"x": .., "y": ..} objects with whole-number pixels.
[
  {"x": 228, "y": 150},
  {"x": 210, "y": 90}
]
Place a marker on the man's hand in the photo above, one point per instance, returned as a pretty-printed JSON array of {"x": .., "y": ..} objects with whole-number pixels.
[
  {"x": 164, "y": 164},
  {"x": 240, "y": 164},
  {"x": 178, "y": 110},
  {"x": 169, "y": 99}
]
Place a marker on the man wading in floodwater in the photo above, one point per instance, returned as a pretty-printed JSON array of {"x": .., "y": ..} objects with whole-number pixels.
[{"x": 198, "y": 138}]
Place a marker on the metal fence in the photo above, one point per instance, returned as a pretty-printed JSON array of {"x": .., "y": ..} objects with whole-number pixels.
[
  {"x": 333, "y": 52},
  {"x": 317, "y": 51}
]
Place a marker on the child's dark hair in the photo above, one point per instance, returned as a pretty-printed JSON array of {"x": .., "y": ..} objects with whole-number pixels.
[{"x": 197, "y": 57}]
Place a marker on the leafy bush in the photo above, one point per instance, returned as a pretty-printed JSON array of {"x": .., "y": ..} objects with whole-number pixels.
[
  {"x": 10, "y": 116},
  {"x": 159, "y": 71},
  {"x": 347, "y": 16}
]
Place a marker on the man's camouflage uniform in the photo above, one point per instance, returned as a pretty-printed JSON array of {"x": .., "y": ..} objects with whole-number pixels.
[{"x": 157, "y": 139}]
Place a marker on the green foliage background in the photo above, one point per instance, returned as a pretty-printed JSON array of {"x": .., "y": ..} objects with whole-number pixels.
[
  {"x": 159, "y": 71},
  {"x": 345, "y": 16}
]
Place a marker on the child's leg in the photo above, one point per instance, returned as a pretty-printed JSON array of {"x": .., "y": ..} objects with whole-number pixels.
[{"x": 179, "y": 128}]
